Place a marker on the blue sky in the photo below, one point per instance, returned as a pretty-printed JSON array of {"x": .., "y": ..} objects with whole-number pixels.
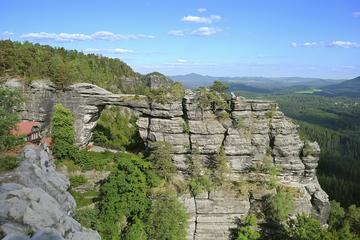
[{"x": 308, "y": 38}]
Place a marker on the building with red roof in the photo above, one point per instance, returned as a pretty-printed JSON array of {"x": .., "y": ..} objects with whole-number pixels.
[{"x": 29, "y": 129}]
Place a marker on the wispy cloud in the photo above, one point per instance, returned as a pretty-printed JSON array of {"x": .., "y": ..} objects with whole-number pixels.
[
  {"x": 306, "y": 44},
  {"x": 356, "y": 14},
  {"x": 177, "y": 33},
  {"x": 345, "y": 44},
  {"x": 338, "y": 43},
  {"x": 107, "y": 50},
  {"x": 73, "y": 37},
  {"x": 181, "y": 61},
  {"x": 198, "y": 19},
  {"x": 201, "y": 9},
  {"x": 7, "y": 33},
  {"x": 206, "y": 31}
]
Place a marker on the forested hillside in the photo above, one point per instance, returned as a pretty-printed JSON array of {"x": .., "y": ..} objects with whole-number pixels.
[
  {"x": 63, "y": 67},
  {"x": 334, "y": 122}
]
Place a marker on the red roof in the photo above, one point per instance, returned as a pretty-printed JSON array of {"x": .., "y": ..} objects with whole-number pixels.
[{"x": 24, "y": 128}]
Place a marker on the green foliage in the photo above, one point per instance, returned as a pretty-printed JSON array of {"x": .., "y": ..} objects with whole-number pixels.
[
  {"x": 186, "y": 128},
  {"x": 116, "y": 130},
  {"x": 84, "y": 199},
  {"x": 63, "y": 67},
  {"x": 219, "y": 87},
  {"x": 337, "y": 215},
  {"x": 136, "y": 231},
  {"x": 88, "y": 217},
  {"x": 279, "y": 206},
  {"x": 94, "y": 160},
  {"x": 249, "y": 229},
  {"x": 77, "y": 180},
  {"x": 167, "y": 218},
  {"x": 307, "y": 149},
  {"x": 8, "y": 162},
  {"x": 304, "y": 228},
  {"x": 238, "y": 122},
  {"x": 210, "y": 99},
  {"x": 63, "y": 133},
  {"x": 353, "y": 217},
  {"x": 165, "y": 94},
  {"x": 199, "y": 176},
  {"x": 221, "y": 169},
  {"x": 9, "y": 101},
  {"x": 123, "y": 196},
  {"x": 161, "y": 160}
]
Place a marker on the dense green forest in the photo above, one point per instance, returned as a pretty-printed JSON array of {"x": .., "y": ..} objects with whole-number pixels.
[
  {"x": 63, "y": 67},
  {"x": 334, "y": 122}
]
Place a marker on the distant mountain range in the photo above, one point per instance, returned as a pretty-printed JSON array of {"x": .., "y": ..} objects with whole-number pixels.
[
  {"x": 349, "y": 88},
  {"x": 256, "y": 84}
]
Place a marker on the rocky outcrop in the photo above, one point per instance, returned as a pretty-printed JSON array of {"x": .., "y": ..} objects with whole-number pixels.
[
  {"x": 35, "y": 204},
  {"x": 252, "y": 133}
]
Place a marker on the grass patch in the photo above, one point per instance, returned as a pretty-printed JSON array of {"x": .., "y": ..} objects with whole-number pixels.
[
  {"x": 8, "y": 162},
  {"x": 84, "y": 199},
  {"x": 77, "y": 180}
]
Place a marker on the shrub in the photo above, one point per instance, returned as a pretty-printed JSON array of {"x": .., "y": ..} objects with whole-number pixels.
[
  {"x": 161, "y": 160},
  {"x": 77, "y": 180},
  {"x": 116, "y": 130},
  {"x": 186, "y": 128},
  {"x": 199, "y": 176},
  {"x": 63, "y": 133},
  {"x": 136, "y": 231},
  {"x": 88, "y": 217},
  {"x": 8, "y": 162},
  {"x": 248, "y": 230},
  {"x": 123, "y": 196},
  {"x": 279, "y": 206},
  {"x": 307, "y": 149},
  {"x": 167, "y": 218},
  {"x": 9, "y": 101},
  {"x": 221, "y": 170}
]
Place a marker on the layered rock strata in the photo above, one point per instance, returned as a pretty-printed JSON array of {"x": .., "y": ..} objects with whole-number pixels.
[{"x": 251, "y": 132}]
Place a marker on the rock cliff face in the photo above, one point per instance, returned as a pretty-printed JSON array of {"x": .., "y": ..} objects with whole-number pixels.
[
  {"x": 252, "y": 134},
  {"x": 34, "y": 201}
]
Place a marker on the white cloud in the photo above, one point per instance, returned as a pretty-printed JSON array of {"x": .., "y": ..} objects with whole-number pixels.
[
  {"x": 306, "y": 44},
  {"x": 197, "y": 19},
  {"x": 206, "y": 31},
  {"x": 201, "y": 9},
  {"x": 72, "y": 37},
  {"x": 107, "y": 50},
  {"x": 7, "y": 33},
  {"x": 356, "y": 14},
  {"x": 341, "y": 44},
  {"x": 345, "y": 44},
  {"x": 181, "y": 61},
  {"x": 177, "y": 33}
]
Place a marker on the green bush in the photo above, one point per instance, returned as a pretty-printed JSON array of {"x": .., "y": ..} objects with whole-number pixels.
[
  {"x": 161, "y": 160},
  {"x": 77, "y": 180},
  {"x": 136, "y": 231},
  {"x": 116, "y": 130},
  {"x": 123, "y": 196},
  {"x": 8, "y": 162},
  {"x": 94, "y": 160},
  {"x": 307, "y": 149},
  {"x": 63, "y": 133},
  {"x": 9, "y": 101},
  {"x": 87, "y": 217},
  {"x": 221, "y": 169},
  {"x": 167, "y": 218},
  {"x": 248, "y": 230},
  {"x": 200, "y": 180},
  {"x": 279, "y": 206}
]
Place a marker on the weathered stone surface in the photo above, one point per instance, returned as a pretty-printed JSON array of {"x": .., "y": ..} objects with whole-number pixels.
[
  {"x": 39, "y": 202},
  {"x": 255, "y": 132}
]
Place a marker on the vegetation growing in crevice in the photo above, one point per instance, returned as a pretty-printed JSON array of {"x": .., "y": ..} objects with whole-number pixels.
[{"x": 200, "y": 176}]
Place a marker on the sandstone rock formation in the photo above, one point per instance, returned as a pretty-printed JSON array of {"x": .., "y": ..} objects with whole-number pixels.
[
  {"x": 251, "y": 132},
  {"x": 34, "y": 201}
]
